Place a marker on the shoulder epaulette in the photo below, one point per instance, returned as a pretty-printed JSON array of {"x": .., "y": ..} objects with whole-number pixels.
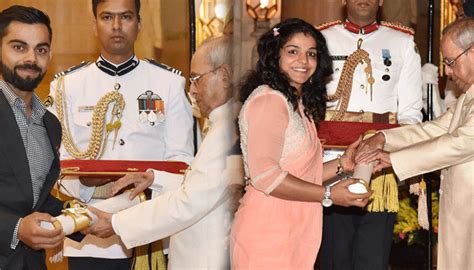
[
  {"x": 164, "y": 66},
  {"x": 399, "y": 27},
  {"x": 71, "y": 69},
  {"x": 323, "y": 26}
]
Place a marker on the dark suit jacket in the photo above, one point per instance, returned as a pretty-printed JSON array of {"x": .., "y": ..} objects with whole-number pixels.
[{"x": 16, "y": 193}]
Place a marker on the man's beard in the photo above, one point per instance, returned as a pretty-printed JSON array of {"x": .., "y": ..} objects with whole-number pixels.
[{"x": 24, "y": 84}]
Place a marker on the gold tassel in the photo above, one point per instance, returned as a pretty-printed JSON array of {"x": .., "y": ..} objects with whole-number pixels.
[
  {"x": 142, "y": 256},
  {"x": 376, "y": 200},
  {"x": 157, "y": 257},
  {"x": 140, "y": 260},
  {"x": 385, "y": 196}
]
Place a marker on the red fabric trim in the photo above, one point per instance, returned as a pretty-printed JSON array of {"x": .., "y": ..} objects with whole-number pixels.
[
  {"x": 117, "y": 168},
  {"x": 335, "y": 134},
  {"x": 364, "y": 30}
]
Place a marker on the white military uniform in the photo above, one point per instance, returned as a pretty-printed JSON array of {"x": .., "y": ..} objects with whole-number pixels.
[
  {"x": 136, "y": 140},
  {"x": 397, "y": 86},
  {"x": 197, "y": 211},
  {"x": 396, "y": 70}
]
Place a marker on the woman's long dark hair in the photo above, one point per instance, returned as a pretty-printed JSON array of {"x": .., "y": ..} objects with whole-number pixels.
[{"x": 268, "y": 72}]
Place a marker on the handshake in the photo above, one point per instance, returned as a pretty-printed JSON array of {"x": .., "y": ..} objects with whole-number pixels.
[
  {"x": 370, "y": 151},
  {"x": 369, "y": 158},
  {"x": 362, "y": 158}
]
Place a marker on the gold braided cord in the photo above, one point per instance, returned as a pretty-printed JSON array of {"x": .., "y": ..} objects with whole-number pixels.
[
  {"x": 344, "y": 87},
  {"x": 327, "y": 25},
  {"x": 399, "y": 27},
  {"x": 95, "y": 147}
]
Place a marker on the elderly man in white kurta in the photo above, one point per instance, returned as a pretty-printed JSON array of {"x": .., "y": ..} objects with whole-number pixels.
[
  {"x": 445, "y": 143},
  {"x": 197, "y": 210}
]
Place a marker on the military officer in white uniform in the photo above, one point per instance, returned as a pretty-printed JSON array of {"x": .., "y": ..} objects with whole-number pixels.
[
  {"x": 388, "y": 91},
  {"x": 154, "y": 124},
  {"x": 396, "y": 69}
]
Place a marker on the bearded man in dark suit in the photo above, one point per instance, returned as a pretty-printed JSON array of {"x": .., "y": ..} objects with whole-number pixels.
[{"x": 29, "y": 142}]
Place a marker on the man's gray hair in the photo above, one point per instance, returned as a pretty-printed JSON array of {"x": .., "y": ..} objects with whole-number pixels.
[
  {"x": 461, "y": 32},
  {"x": 218, "y": 50}
]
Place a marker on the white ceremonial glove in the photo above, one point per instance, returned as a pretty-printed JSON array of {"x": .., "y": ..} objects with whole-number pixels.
[{"x": 430, "y": 76}]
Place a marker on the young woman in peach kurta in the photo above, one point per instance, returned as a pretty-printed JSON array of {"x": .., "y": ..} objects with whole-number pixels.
[
  {"x": 268, "y": 232},
  {"x": 278, "y": 223}
]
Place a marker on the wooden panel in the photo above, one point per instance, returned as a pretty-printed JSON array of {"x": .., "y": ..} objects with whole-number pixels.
[
  {"x": 175, "y": 24},
  {"x": 313, "y": 11}
]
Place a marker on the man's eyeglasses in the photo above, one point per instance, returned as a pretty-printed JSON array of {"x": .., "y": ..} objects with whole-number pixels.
[
  {"x": 194, "y": 78},
  {"x": 450, "y": 63}
]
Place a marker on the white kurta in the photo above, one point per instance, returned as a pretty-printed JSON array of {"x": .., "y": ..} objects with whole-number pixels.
[
  {"x": 445, "y": 143},
  {"x": 401, "y": 93},
  {"x": 136, "y": 140},
  {"x": 198, "y": 212}
]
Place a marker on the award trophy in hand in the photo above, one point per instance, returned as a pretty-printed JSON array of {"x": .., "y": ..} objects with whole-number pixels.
[
  {"x": 77, "y": 217},
  {"x": 363, "y": 172}
]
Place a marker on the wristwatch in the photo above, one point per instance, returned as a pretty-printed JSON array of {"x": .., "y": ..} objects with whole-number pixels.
[{"x": 327, "y": 196}]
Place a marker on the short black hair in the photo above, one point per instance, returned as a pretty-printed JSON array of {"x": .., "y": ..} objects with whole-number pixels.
[
  {"x": 95, "y": 3},
  {"x": 22, "y": 14}
]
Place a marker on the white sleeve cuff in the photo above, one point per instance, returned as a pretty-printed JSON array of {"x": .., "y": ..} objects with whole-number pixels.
[
  {"x": 385, "y": 136},
  {"x": 165, "y": 181},
  {"x": 156, "y": 186},
  {"x": 15, "y": 239},
  {"x": 85, "y": 192},
  {"x": 114, "y": 226}
]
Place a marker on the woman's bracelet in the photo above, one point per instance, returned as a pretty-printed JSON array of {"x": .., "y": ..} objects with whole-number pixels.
[{"x": 340, "y": 169}]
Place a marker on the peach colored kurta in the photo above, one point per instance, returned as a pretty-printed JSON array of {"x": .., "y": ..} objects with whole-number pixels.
[{"x": 268, "y": 232}]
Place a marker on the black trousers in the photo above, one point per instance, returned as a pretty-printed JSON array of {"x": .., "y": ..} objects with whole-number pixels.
[
  {"x": 89, "y": 263},
  {"x": 356, "y": 240}
]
